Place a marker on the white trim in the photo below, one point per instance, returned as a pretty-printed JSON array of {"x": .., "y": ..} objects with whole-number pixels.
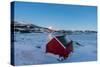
[
  {"x": 57, "y": 40},
  {"x": 60, "y": 43}
]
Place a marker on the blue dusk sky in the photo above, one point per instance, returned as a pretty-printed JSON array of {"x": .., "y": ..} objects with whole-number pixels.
[{"x": 58, "y": 16}]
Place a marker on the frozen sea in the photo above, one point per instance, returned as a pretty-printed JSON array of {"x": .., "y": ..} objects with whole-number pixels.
[{"x": 29, "y": 49}]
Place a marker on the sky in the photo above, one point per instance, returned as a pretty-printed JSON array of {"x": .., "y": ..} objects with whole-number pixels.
[{"x": 57, "y": 16}]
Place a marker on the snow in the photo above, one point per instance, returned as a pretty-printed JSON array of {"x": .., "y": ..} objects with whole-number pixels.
[{"x": 30, "y": 49}]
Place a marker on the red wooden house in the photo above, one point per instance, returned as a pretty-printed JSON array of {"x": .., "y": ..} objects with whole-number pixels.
[{"x": 59, "y": 46}]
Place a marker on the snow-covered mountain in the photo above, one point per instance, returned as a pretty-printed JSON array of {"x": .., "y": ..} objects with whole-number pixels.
[{"x": 25, "y": 28}]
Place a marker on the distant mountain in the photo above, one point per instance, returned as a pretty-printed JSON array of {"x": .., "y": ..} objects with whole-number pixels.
[{"x": 26, "y": 28}]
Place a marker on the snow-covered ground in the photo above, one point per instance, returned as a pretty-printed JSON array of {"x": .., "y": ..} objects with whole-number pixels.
[{"x": 30, "y": 49}]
